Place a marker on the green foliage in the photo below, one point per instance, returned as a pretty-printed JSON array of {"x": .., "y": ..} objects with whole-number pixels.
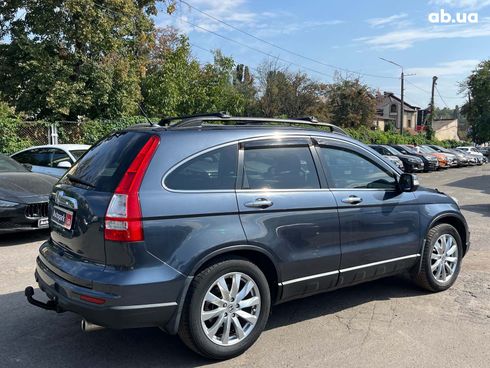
[
  {"x": 477, "y": 110},
  {"x": 350, "y": 103},
  {"x": 369, "y": 136},
  {"x": 73, "y": 58}
]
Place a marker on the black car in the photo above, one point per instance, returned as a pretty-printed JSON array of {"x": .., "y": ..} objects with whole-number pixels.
[
  {"x": 200, "y": 227},
  {"x": 430, "y": 162},
  {"x": 23, "y": 197},
  {"x": 410, "y": 163}
]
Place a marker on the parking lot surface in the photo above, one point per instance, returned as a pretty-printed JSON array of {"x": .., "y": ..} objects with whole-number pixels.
[{"x": 384, "y": 323}]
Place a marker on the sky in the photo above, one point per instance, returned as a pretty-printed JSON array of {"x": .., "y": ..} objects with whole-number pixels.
[{"x": 320, "y": 37}]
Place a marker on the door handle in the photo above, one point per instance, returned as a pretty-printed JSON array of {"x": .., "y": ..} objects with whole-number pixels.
[
  {"x": 352, "y": 199},
  {"x": 259, "y": 203}
]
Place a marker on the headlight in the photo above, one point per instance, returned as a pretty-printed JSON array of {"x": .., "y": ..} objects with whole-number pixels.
[
  {"x": 5, "y": 204},
  {"x": 455, "y": 200}
]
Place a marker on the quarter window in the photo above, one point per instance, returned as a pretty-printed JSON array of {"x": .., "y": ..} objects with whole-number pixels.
[
  {"x": 213, "y": 170},
  {"x": 279, "y": 168},
  {"x": 349, "y": 169}
]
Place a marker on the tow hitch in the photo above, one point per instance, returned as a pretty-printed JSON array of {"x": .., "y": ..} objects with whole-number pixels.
[{"x": 49, "y": 305}]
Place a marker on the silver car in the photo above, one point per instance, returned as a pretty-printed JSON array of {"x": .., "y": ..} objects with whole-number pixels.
[{"x": 52, "y": 160}]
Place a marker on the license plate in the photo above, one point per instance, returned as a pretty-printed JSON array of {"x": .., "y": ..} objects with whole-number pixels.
[
  {"x": 62, "y": 217},
  {"x": 43, "y": 223}
]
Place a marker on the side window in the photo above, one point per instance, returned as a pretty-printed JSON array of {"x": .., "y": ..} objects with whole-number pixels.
[
  {"x": 37, "y": 156},
  {"x": 348, "y": 169},
  {"x": 213, "y": 170},
  {"x": 23, "y": 157},
  {"x": 279, "y": 168},
  {"x": 59, "y": 156}
]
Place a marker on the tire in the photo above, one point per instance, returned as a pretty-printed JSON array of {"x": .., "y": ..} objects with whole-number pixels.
[
  {"x": 449, "y": 246},
  {"x": 193, "y": 328}
]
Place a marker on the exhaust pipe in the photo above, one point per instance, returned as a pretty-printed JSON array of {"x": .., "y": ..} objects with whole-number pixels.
[{"x": 89, "y": 327}]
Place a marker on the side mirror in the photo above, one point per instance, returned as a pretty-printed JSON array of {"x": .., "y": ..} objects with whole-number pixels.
[
  {"x": 28, "y": 166},
  {"x": 64, "y": 165},
  {"x": 408, "y": 182}
]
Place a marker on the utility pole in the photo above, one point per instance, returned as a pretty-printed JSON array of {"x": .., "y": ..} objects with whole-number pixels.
[
  {"x": 402, "y": 76},
  {"x": 432, "y": 107},
  {"x": 402, "y": 110}
]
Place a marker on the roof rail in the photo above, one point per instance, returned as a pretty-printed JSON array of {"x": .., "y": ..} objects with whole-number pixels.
[
  {"x": 223, "y": 119},
  {"x": 167, "y": 120}
]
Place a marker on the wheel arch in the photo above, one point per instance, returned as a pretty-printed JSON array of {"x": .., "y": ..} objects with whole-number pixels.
[
  {"x": 455, "y": 220},
  {"x": 257, "y": 255}
]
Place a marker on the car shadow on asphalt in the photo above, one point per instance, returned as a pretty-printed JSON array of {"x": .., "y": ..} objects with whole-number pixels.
[
  {"x": 23, "y": 237},
  {"x": 33, "y": 337},
  {"x": 482, "y": 209},
  {"x": 481, "y": 183}
]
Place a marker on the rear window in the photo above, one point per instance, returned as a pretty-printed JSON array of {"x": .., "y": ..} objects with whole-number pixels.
[{"x": 106, "y": 162}]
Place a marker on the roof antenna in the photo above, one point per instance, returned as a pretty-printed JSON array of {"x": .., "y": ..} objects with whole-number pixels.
[{"x": 143, "y": 112}]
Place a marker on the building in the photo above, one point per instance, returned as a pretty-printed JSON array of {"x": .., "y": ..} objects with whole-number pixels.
[
  {"x": 445, "y": 129},
  {"x": 388, "y": 106},
  {"x": 380, "y": 122}
]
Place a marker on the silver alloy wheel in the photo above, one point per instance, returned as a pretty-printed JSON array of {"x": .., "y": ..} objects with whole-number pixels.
[
  {"x": 444, "y": 258},
  {"x": 230, "y": 309}
]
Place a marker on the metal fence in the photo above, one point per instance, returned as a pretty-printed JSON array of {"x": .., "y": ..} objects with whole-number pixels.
[{"x": 39, "y": 133}]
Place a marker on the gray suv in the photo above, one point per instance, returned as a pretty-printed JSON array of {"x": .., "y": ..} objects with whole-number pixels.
[{"x": 200, "y": 226}]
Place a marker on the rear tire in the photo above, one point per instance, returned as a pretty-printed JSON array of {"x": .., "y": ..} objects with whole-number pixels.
[
  {"x": 441, "y": 260},
  {"x": 226, "y": 309}
]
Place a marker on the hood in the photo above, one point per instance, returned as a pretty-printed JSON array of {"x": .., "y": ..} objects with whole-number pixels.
[
  {"x": 25, "y": 187},
  {"x": 401, "y": 155}
]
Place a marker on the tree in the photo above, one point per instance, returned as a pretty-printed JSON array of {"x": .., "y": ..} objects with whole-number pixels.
[
  {"x": 74, "y": 57},
  {"x": 350, "y": 103},
  {"x": 477, "y": 109},
  {"x": 289, "y": 94}
]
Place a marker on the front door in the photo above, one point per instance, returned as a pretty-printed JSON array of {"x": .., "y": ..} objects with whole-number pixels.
[
  {"x": 378, "y": 223},
  {"x": 284, "y": 208}
]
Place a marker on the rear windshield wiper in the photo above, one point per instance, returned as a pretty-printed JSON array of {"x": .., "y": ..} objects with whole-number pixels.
[{"x": 76, "y": 179}]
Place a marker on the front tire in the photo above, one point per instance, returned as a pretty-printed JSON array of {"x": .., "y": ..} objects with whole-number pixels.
[
  {"x": 226, "y": 310},
  {"x": 441, "y": 260}
]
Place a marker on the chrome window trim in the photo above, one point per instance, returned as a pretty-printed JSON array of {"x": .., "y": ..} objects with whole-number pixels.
[
  {"x": 343, "y": 270},
  {"x": 276, "y": 135},
  {"x": 143, "y": 306}
]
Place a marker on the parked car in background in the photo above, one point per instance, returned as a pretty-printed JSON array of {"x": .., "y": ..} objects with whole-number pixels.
[
  {"x": 450, "y": 158},
  {"x": 201, "y": 226},
  {"x": 484, "y": 150},
  {"x": 23, "y": 197},
  {"x": 395, "y": 161},
  {"x": 52, "y": 160},
  {"x": 410, "y": 163},
  {"x": 461, "y": 158},
  {"x": 431, "y": 163},
  {"x": 475, "y": 153},
  {"x": 472, "y": 159}
]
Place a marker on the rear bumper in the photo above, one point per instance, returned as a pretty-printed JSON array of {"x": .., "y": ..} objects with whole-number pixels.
[{"x": 132, "y": 302}]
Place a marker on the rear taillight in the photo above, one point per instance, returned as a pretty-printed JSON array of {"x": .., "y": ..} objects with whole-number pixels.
[{"x": 123, "y": 216}]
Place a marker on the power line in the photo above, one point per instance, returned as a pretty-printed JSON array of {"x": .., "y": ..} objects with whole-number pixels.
[
  {"x": 284, "y": 49},
  {"x": 257, "y": 50},
  {"x": 428, "y": 92},
  {"x": 437, "y": 90}
]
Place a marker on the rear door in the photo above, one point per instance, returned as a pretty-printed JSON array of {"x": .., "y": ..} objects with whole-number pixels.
[
  {"x": 379, "y": 225},
  {"x": 79, "y": 201},
  {"x": 284, "y": 208}
]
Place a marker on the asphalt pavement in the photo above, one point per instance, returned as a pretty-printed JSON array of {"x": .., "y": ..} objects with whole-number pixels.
[{"x": 385, "y": 323}]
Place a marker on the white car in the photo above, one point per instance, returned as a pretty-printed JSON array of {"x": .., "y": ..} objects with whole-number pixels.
[
  {"x": 53, "y": 160},
  {"x": 473, "y": 151}
]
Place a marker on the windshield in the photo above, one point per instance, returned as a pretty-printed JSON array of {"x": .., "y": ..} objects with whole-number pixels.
[
  {"x": 10, "y": 165},
  {"x": 426, "y": 149},
  {"x": 405, "y": 149},
  {"x": 391, "y": 150},
  {"x": 78, "y": 153}
]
